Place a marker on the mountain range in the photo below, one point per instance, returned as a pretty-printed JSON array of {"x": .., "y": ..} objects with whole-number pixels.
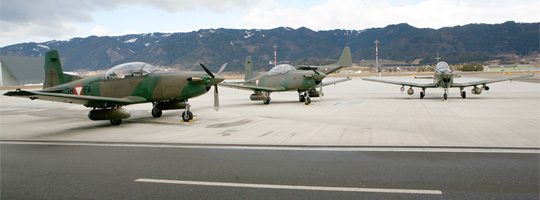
[{"x": 214, "y": 47}]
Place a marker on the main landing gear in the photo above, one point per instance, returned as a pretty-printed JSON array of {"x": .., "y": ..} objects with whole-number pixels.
[
  {"x": 463, "y": 93},
  {"x": 187, "y": 116},
  {"x": 304, "y": 97}
]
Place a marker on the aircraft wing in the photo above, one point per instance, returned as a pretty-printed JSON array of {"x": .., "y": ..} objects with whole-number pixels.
[
  {"x": 78, "y": 99},
  {"x": 326, "y": 83},
  {"x": 489, "y": 81},
  {"x": 420, "y": 85},
  {"x": 253, "y": 87}
]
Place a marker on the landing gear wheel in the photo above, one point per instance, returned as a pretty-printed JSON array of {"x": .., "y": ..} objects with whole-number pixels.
[
  {"x": 156, "y": 112},
  {"x": 116, "y": 122},
  {"x": 186, "y": 116},
  {"x": 267, "y": 101},
  {"x": 422, "y": 94},
  {"x": 308, "y": 101},
  {"x": 302, "y": 98},
  {"x": 463, "y": 94},
  {"x": 445, "y": 97}
]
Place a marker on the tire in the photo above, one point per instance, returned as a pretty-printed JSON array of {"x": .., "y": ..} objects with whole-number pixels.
[
  {"x": 445, "y": 96},
  {"x": 308, "y": 101},
  {"x": 115, "y": 122},
  {"x": 302, "y": 98},
  {"x": 267, "y": 101},
  {"x": 463, "y": 94},
  {"x": 186, "y": 116},
  {"x": 156, "y": 112},
  {"x": 422, "y": 94}
]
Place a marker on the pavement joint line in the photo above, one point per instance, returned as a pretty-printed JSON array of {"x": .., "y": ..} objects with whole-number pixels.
[
  {"x": 290, "y": 187},
  {"x": 327, "y": 147}
]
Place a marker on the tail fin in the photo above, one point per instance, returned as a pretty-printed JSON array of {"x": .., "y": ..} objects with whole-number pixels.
[
  {"x": 249, "y": 69},
  {"x": 345, "y": 60},
  {"x": 54, "y": 75}
]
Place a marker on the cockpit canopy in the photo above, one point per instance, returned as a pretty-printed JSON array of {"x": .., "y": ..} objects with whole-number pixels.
[
  {"x": 442, "y": 66},
  {"x": 281, "y": 69},
  {"x": 132, "y": 69}
]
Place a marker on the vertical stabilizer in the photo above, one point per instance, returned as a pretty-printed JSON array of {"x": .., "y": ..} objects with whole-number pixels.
[
  {"x": 53, "y": 69},
  {"x": 54, "y": 75},
  {"x": 345, "y": 60},
  {"x": 249, "y": 69}
]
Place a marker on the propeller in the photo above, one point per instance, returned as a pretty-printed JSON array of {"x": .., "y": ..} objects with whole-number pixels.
[
  {"x": 319, "y": 77},
  {"x": 214, "y": 81}
]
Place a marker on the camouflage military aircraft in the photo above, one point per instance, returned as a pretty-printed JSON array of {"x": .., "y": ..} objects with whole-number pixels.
[
  {"x": 124, "y": 84},
  {"x": 285, "y": 77},
  {"x": 444, "y": 78}
]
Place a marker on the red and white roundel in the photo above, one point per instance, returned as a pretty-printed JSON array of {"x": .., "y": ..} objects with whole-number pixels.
[{"x": 78, "y": 89}]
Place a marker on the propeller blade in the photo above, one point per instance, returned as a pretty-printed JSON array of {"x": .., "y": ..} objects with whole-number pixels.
[
  {"x": 322, "y": 93},
  {"x": 207, "y": 71},
  {"x": 222, "y": 68},
  {"x": 316, "y": 72},
  {"x": 216, "y": 98}
]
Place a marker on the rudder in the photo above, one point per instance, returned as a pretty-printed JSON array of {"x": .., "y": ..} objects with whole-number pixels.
[
  {"x": 53, "y": 69},
  {"x": 249, "y": 69},
  {"x": 54, "y": 75}
]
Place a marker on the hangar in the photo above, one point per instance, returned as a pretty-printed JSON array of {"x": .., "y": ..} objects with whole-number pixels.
[{"x": 21, "y": 70}]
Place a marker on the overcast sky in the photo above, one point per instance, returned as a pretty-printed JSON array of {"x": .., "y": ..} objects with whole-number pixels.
[{"x": 44, "y": 20}]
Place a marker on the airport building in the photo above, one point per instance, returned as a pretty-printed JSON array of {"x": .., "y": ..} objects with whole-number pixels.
[
  {"x": 507, "y": 68},
  {"x": 21, "y": 70}
]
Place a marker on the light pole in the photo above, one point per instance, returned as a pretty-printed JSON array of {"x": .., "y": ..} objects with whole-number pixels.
[{"x": 377, "y": 56}]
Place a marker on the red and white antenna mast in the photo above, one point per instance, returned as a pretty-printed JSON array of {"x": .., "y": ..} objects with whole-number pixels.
[
  {"x": 275, "y": 55},
  {"x": 377, "y": 56}
]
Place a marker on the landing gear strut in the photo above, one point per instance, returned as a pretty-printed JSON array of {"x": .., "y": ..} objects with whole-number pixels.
[
  {"x": 267, "y": 101},
  {"x": 156, "y": 113},
  {"x": 187, "y": 116}
]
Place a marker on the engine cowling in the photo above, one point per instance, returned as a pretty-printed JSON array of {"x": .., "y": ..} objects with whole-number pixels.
[
  {"x": 259, "y": 97},
  {"x": 109, "y": 114}
]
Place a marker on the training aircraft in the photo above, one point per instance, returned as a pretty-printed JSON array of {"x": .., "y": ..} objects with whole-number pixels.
[
  {"x": 285, "y": 77},
  {"x": 124, "y": 84},
  {"x": 444, "y": 78}
]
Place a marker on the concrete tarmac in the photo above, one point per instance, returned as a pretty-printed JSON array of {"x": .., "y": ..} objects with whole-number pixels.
[{"x": 356, "y": 112}]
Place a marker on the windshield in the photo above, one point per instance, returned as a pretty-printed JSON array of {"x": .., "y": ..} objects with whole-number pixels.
[
  {"x": 281, "y": 69},
  {"x": 442, "y": 66},
  {"x": 132, "y": 69}
]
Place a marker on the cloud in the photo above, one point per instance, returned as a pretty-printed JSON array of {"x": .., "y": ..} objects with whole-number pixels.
[
  {"x": 362, "y": 14},
  {"x": 31, "y": 20},
  {"x": 99, "y": 31},
  {"x": 41, "y": 20}
]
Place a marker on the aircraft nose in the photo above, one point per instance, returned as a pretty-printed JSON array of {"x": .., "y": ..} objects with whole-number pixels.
[
  {"x": 321, "y": 76},
  {"x": 217, "y": 79}
]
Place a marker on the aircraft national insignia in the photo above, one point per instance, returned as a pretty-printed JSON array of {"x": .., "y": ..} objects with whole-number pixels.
[{"x": 79, "y": 89}]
